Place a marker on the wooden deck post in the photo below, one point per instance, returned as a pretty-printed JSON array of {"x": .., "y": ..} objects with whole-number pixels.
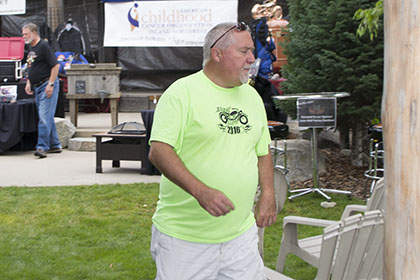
[{"x": 401, "y": 121}]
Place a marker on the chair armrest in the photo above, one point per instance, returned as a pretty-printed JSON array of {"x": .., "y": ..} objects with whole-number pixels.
[
  {"x": 307, "y": 221},
  {"x": 352, "y": 209},
  {"x": 290, "y": 242}
]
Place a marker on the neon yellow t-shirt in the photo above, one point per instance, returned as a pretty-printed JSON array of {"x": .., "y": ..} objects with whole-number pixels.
[{"x": 218, "y": 134}]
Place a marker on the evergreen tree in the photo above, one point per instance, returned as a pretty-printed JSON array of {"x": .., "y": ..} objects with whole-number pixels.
[{"x": 325, "y": 55}]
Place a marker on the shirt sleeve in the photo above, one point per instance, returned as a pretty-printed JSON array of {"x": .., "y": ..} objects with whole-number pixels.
[
  {"x": 50, "y": 56},
  {"x": 170, "y": 117}
]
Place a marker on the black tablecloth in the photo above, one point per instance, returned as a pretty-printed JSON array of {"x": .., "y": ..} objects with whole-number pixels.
[
  {"x": 21, "y": 94},
  {"x": 16, "y": 120},
  {"x": 147, "y": 167}
]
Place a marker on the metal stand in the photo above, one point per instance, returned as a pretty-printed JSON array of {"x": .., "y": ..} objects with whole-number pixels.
[
  {"x": 376, "y": 170},
  {"x": 277, "y": 151},
  {"x": 315, "y": 188}
]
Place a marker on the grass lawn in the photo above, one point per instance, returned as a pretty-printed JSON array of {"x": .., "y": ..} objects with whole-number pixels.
[{"x": 103, "y": 232}]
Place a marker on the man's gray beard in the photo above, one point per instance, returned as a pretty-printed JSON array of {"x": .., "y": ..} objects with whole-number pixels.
[
  {"x": 244, "y": 78},
  {"x": 28, "y": 41}
]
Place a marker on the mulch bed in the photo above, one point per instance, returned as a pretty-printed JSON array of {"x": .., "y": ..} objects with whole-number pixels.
[{"x": 340, "y": 175}]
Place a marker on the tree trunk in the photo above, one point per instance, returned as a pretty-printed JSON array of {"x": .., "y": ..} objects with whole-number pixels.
[
  {"x": 358, "y": 146},
  {"x": 344, "y": 137},
  {"x": 401, "y": 123}
]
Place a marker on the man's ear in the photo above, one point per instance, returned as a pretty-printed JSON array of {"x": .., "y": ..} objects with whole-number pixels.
[{"x": 216, "y": 54}]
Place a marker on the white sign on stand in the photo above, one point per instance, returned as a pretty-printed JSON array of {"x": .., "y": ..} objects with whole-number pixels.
[{"x": 12, "y": 7}]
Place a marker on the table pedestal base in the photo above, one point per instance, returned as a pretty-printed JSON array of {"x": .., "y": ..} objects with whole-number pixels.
[{"x": 321, "y": 191}]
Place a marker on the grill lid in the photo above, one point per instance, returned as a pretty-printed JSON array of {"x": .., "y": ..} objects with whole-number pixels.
[{"x": 128, "y": 128}]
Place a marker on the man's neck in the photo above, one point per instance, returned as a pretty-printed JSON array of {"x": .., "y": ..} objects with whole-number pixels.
[
  {"x": 35, "y": 41},
  {"x": 215, "y": 78}
]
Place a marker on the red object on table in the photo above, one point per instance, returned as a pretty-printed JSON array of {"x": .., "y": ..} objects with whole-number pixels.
[
  {"x": 11, "y": 54},
  {"x": 11, "y": 48}
]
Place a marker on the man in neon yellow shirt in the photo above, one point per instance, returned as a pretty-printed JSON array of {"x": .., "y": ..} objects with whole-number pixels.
[{"x": 210, "y": 140}]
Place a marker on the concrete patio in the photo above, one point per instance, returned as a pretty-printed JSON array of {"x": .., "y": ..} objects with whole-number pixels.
[{"x": 69, "y": 168}]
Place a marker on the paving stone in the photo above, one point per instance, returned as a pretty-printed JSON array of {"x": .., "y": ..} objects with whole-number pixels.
[{"x": 82, "y": 144}]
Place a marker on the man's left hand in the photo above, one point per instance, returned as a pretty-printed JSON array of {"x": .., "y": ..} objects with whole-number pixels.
[
  {"x": 49, "y": 91},
  {"x": 265, "y": 209}
]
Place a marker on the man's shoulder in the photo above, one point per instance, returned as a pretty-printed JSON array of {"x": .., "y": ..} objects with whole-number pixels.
[
  {"x": 191, "y": 77},
  {"x": 41, "y": 44},
  {"x": 186, "y": 82},
  {"x": 249, "y": 89},
  {"x": 247, "y": 86}
]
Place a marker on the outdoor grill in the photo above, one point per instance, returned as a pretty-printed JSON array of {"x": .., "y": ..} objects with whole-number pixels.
[{"x": 128, "y": 128}]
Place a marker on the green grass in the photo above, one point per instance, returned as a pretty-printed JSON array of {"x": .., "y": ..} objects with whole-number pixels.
[{"x": 103, "y": 232}]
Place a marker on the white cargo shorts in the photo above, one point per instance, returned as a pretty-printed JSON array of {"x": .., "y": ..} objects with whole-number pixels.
[{"x": 177, "y": 259}]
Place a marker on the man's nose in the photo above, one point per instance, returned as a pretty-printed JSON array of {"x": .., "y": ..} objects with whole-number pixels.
[{"x": 250, "y": 57}]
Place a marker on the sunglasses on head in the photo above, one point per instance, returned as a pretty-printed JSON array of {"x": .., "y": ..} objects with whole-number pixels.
[{"x": 241, "y": 26}]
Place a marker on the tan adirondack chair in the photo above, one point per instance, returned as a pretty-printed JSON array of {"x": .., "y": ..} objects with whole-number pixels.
[
  {"x": 309, "y": 249},
  {"x": 350, "y": 249}
]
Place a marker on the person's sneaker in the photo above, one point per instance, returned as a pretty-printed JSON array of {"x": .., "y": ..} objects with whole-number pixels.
[
  {"x": 54, "y": 150},
  {"x": 40, "y": 153}
]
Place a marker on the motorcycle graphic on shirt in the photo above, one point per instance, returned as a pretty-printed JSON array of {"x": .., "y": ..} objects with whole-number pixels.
[
  {"x": 31, "y": 58},
  {"x": 233, "y": 120}
]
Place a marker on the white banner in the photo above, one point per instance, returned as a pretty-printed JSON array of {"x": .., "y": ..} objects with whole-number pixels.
[
  {"x": 164, "y": 23},
  {"x": 12, "y": 7}
]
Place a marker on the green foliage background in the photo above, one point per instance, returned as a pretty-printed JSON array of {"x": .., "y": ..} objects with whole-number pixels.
[{"x": 325, "y": 55}]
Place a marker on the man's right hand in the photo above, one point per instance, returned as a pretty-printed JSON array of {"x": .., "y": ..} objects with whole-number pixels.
[
  {"x": 167, "y": 161},
  {"x": 28, "y": 89},
  {"x": 215, "y": 202}
]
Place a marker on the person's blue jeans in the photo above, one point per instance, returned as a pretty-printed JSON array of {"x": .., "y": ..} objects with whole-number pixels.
[{"x": 47, "y": 133}]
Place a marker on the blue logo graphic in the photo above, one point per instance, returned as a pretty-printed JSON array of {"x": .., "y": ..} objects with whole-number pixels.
[{"x": 134, "y": 21}]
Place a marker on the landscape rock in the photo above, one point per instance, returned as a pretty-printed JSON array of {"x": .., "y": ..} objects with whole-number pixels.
[
  {"x": 345, "y": 152},
  {"x": 65, "y": 130},
  {"x": 299, "y": 159},
  {"x": 327, "y": 138}
]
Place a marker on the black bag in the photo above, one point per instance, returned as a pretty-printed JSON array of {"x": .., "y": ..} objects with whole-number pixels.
[{"x": 267, "y": 90}]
